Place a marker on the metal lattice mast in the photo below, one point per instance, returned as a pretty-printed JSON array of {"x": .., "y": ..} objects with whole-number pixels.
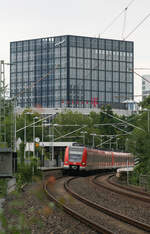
[{"x": 2, "y": 102}]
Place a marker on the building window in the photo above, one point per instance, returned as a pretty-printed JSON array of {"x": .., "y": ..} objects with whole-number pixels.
[
  {"x": 94, "y": 64},
  {"x": 95, "y": 85},
  {"x": 115, "y": 66},
  {"x": 115, "y": 86},
  {"x": 115, "y": 76},
  {"x": 108, "y": 55},
  {"x": 101, "y": 54},
  {"x": 79, "y": 63},
  {"x": 80, "y": 52},
  {"x": 79, "y": 73},
  {"x": 101, "y": 75},
  {"x": 101, "y": 97},
  {"x": 87, "y": 84},
  {"x": 72, "y": 51},
  {"x": 122, "y": 66},
  {"x": 87, "y": 74},
  {"x": 108, "y": 65},
  {"x": 101, "y": 65},
  {"x": 101, "y": 86},
  {"x": 122, "y": 87},
  {"x": 94, "y": 75},
  {"x": 87, "y": 53},
  {"x": 109, "y": 86},
  {"x": 108, "y": 97},
  {"x": 122, "y": 77},
  {"x": 94, "y": 54},
  {"x": 108, "y": 76}
]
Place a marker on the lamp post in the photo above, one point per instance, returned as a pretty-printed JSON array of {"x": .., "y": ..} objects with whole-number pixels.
[
  {"x": 117, "y": 139},
  {"x": 93, "y": 134},
  {"x": 43, "y": 124},
  {"x": 83, "y": 132},
  {"x": 35, "y": 118},
  {"x": 126, "y": 144},
  {"x": 52, "y": 135},
  {"x": 25, "y": 131},
  {"x": 53, "y": 125},
  {"x": 148, "y": 118}
]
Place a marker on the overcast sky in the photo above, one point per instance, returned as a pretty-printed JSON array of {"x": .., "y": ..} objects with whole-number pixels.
[{"x": 29, "y": 19}]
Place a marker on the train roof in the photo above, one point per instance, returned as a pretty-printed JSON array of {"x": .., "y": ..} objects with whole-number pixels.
[{"x": 117, "y": 153}]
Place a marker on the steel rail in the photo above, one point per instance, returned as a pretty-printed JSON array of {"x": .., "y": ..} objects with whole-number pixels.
[
  {"x": 107, "y": 211},
  {"x": 86, "y": 221},
  {"x": 135, "y": 196},
  {"x": 129, "y": 188}
]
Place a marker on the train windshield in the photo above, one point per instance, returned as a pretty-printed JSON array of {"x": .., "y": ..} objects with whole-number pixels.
[{"x": 75, "y": 154}]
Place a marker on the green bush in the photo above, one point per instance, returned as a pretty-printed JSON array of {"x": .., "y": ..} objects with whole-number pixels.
[
  {"x": 25, "y": 173},
  {"x": 3, "y": 187}
]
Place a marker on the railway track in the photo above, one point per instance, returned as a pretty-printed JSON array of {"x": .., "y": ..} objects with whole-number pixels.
[
  {"x": 127, "y": 188},
  {"x": 109, "y": 212},
  {"x": 76, "y": 215},
  {"x": 123, "y": 190},
  {"x": 139, "y": 227}
]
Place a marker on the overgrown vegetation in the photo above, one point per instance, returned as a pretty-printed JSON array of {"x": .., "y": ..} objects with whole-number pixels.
[
  {"x": 112, "y": 132},
  {"x": 3, "y": 187},
  {"x": 27, "y": 173},
  {"x": 19, "y": 223}
]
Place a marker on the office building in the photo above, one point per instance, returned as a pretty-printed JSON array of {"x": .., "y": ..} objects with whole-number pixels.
[
  {"x": 145, "y": 86},
  {"x": 71, "y": 71}
]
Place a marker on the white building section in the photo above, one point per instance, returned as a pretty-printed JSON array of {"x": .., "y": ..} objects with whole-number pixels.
[
  {"x": 30, "y": 146},
  {"x": 125, "y": 169},
  {"x": 145, "y": 86},
  {"x": 84, "y": 111}
]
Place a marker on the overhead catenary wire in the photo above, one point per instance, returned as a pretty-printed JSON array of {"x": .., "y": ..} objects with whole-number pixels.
[
  {"x": 142, "y": 77},
  {"x": 146, "y": 17},
  {"x": 141, "y": 68},
  {"x": 116, "y": 17},
  {"x": 124, "y": 22}
]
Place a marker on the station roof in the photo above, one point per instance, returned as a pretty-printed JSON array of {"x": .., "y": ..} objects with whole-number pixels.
[
  {"x": 30, "y": 145},
  {"x": 56, "y": 144}
]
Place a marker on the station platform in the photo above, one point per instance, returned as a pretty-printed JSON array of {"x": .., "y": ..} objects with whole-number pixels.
[{"x": 49, "y": 168}]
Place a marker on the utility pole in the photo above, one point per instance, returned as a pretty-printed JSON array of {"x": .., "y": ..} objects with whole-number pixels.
[
  {"x": 2, "y": 102},
  {"x": 6, "y": 157}
]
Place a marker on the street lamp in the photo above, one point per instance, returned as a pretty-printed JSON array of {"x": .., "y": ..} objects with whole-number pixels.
[
  {"x": 93, "y": 134},
  {"x": 14, "y": 116},
  {"x": 35, "y": 118},
  {"x": 52, "y": 135},
  {"x": 83, "y": 132},
  {"x": 43, "y": 124},
  {"x": 25, "y": 131},
  {"x": 117, "y": 139},
  {"x": 148, "y": 118},
  {"x": 53, "y": 125},
  {"x": 126, "y": 144}
]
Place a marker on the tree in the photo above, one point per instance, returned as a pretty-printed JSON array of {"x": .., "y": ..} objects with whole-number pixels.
[
  {"x": 139, "y": 143},
  {"x": 72, "y": 124},
  {"x": 145, "y": 103}
]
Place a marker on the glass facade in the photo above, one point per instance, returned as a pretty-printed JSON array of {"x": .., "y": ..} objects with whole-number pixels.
[{"x": 71, "y": 71}]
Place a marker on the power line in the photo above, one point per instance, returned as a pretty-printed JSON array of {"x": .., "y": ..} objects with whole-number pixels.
[
  {"x": 142, "y": 77},
  {"x": 137, "y": 26},
  {"x": 108, "y": 26},
  {"x": 112, "y": 22},
  {"x": 124, "y": 22},
  {"x": 141, "y": 68}
]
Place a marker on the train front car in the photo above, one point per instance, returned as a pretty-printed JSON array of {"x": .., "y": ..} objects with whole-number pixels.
[{"x": 75, "y": 158}]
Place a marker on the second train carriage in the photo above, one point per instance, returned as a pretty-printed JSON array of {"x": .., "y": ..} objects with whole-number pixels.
[{"x": 83, "y": 158}]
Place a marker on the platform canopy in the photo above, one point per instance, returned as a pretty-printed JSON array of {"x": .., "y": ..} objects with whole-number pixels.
[{"x": 30, "y": 146}]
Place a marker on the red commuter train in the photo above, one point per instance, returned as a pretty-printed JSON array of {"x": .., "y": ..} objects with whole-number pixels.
[{"x": 83, "y": 158}]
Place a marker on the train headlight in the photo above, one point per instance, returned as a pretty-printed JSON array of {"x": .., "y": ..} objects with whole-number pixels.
[
  {"x": 83, "y": 163},
  {"x": 66, "y": 162}
]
